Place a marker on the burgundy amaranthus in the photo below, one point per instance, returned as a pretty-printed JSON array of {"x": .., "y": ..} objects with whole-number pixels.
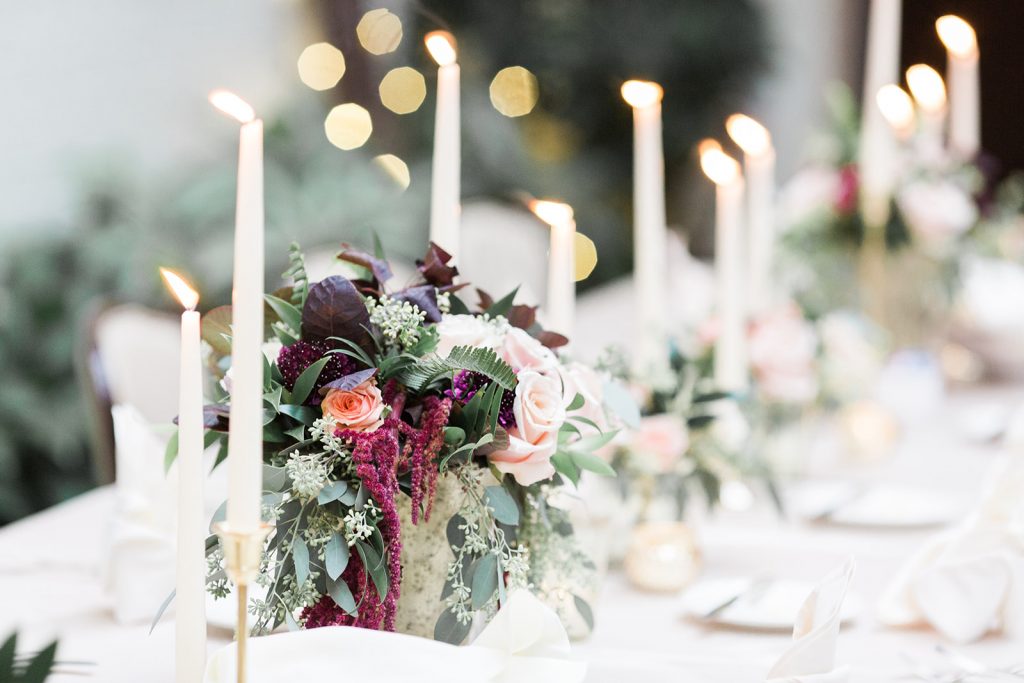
[
  {"x": 294, "y": 359},
  {"x": 326, "y": 612},
  {"x": 376, "y": 458},
  {"x": 422, "y": 447}
]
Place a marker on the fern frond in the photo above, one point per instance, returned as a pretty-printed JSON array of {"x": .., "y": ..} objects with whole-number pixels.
[
  {"x": 474, "y": 359},
  {"x": 297, "y": 272}
]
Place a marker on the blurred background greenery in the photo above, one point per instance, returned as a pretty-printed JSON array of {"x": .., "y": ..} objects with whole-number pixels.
[{"x": 575, "y": 144}]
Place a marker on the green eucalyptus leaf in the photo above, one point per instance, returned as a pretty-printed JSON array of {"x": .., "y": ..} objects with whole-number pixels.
[
  {"x": 289, "y": 619},
  {"x": 584, "y": 609},
  {"x": 456, "y": 536},
  {"x": 342, "y": 595},
  {"x": 449, "y": 629},
  {"x": 300, "y": 554},
  {"x": 274, "y": 478},
  {"x": 620, "y": 402},
  {"x": 374, "y": 564},
  {"x": 331, "y": 491},
  {"x": 502, "y": 505},
  {"x": 565, "y": 466},
  {"x": 485, "y": 580},
  {"x": 336, "y": 555},
  {"x": 160, "y": 612}
]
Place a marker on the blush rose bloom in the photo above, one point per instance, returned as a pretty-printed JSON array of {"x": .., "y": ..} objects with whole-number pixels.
[
  {"x": 783, "y": 347},
  {"x": 359, "y": 409},
  {"x": 661, "y": 441},
  {"x": 524, "y": 352},
  {"x": 465, "y": 330},
  {"x": 539, "y": 408}
]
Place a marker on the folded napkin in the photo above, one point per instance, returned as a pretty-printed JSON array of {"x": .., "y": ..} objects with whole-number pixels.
[
  {"x": 141, "y": 556},
  {"x": 524, "y": 642},
  {"x": 812, "y": 656},
  {"x": 969, "y": 580},
  {"x": 139, "y": 573}
]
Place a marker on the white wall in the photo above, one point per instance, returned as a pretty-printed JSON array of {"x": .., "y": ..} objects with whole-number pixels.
[{"x": 84, "y": 82}]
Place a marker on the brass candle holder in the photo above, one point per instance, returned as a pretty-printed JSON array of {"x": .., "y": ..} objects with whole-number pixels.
[{"x": 243, "y": 553}]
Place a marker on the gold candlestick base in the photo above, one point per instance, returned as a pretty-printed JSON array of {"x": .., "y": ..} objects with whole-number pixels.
[{"x": 243, "y": 554}]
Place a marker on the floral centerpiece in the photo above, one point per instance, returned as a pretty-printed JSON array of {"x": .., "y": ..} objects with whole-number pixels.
[
  {"x": 412, "y": 445},
  {"x": 936, "y": 206},
  {"x": 685, "y": 437}
]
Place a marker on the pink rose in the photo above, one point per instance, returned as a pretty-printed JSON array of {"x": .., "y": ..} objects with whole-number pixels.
[
  {"x": 359, "y": 409},
  {"x": 539, "y": 409},
  {"x": 783, "y": 347},
  {"x": 465, "y": 330},
  {"x": 661, "y": 440},
  {"x": 524, "y": 352}
]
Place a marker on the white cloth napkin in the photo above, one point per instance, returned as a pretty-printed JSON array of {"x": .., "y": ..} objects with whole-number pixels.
[
  {"x": 139, "y": 573},
  {"x": 524, "y": 642},
  {"x": 969, "y": 580},
  {"x": 812, "y": 656}
]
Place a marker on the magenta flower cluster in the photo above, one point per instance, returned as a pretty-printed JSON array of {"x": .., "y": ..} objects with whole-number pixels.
[{"x": 294, "y": 359}]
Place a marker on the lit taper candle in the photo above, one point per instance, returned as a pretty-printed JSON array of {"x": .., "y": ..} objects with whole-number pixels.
[
  {"x": 964, "y": 79},
  {"x": 445, "y": 181},
  {"x": 561, "y": 301},
  {"x": 877, "y": 150},
  {"x": 759, "y": 168},
  {"x": 929, "y": 93},
  {"x": 897, "y": 108},
  {"x": 190, "y": 574},
  {"x": 650, "y": 240},
  {"x": 245, "y": 438},
  {"x": 731, "y": 373}
]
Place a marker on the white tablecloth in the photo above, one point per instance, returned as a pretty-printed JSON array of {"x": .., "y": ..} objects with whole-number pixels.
[{"x": 50, "y": 583}]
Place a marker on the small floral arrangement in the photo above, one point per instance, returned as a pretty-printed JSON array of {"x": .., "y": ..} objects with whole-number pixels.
[
  {"x": 685, "y": 435},
  {"x": 937, "y": 206},
  {"x": 384, "y": 407}
]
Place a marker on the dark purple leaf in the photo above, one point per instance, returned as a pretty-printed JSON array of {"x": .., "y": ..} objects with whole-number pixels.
[
  {"x": 501, "y": 442},
  {"x": 423, "y": 297},
  {"x": 486, "y": 300},
  {"x": 552, "y": 340},
  {"x": 434, "y": 267},
  {"x": 350, "y": 381},
  {"x": 379, "y": 267},
  {"x": 334, "y": 308},
  {"x": 215, "y": 416},
  {"x": 522, "y": 316}
]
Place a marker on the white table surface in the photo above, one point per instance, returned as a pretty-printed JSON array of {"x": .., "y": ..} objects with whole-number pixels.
[{"x": 50, "y": 583}]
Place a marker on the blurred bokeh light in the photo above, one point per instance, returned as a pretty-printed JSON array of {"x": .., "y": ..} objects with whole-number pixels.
[
  {"x": 348, "y": 126},
  {"x": 514, "y": 91},
  {"x": 395, "y": 168},
  {"x": 403, "y": 90},
  {"x": 379, "y": 32},
  {"x": 321, "y": 66}
]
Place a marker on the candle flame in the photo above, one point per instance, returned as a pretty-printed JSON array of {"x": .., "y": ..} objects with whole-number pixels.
[
  {"x": 188, "y": 297},
  {"x": 441, "y": 46},
  {"x": 721, "y": 168},
  {"x": 232, "y": 105},
  {"x": 752, "y": 137},
  {"x": 927, "y": 87},
  {"x": 957, "y": 35},
  {"x": 551, "y": 212},
  {"x": 896, "y": 106},
  {"x": 640, "y": 94}
]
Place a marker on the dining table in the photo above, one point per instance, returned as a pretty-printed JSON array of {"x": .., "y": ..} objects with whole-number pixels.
[{"x": 53, "y": 584}]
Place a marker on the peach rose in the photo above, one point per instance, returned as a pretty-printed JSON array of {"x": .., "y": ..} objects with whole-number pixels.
[
  {"x": 661, "y": 440},
  {"x": 524, "y": 352},
  {"x": 359, "y": 409},
  {"x": 539, "y": 409}
]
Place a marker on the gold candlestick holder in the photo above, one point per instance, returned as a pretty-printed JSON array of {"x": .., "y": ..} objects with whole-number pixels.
[{"x": 243, "y": 554}]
